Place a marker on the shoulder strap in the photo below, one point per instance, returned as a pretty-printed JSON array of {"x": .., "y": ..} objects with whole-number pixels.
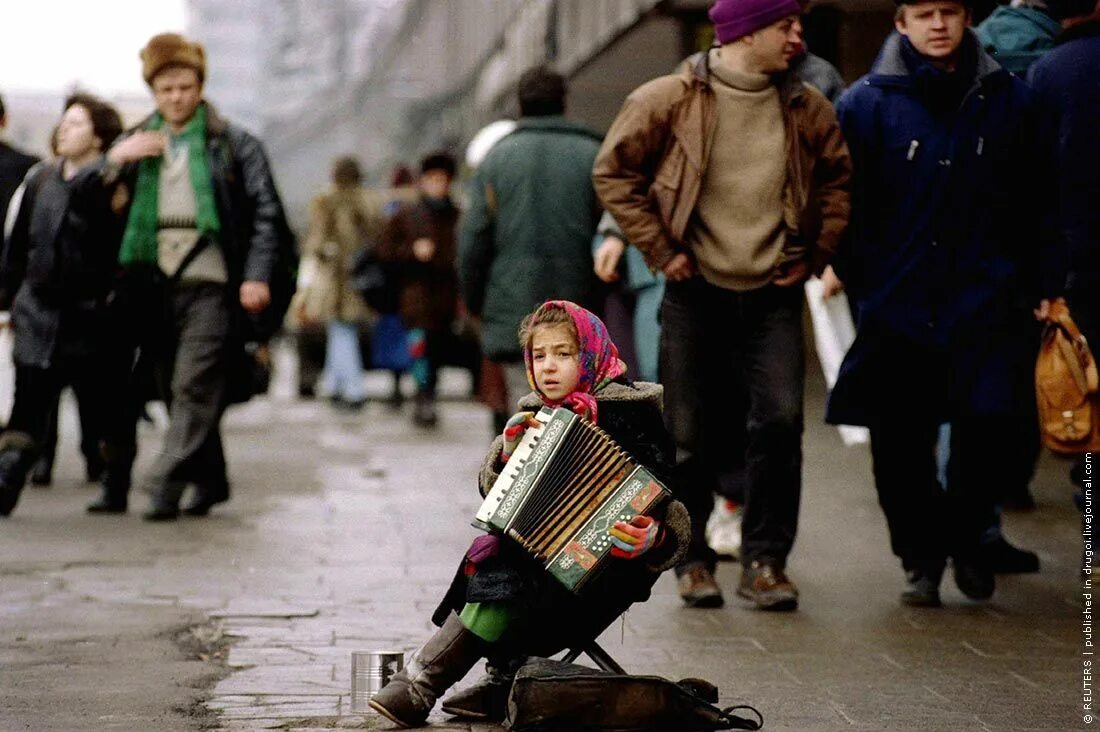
[{"x": 190, "y": 257}]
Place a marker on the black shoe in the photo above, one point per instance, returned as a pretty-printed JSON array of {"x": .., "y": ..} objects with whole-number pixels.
[
  {"x": 14, "y": 463},
  {"x": 1003, "y": 558},
  {"x": 922, "y": 588},
  {"x": 205, "y": 499},
  {"x": 974, "y": 577},
  {"x": 347, "y": 405},
  {"x": 42, "y": 473},
  {"x": 108, "y": 502},
  {"x": 161, "y": 513},
  {"x": 94, "y": 469},
  {"x": 424, "y": 414},
  {"x": 396, "y": 400}
]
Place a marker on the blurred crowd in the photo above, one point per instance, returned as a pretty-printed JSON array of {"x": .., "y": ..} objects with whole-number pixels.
[{"x": 947, "y": 198}]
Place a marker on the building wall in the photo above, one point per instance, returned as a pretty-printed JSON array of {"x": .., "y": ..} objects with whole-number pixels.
[{"x": 388, "y": 80}]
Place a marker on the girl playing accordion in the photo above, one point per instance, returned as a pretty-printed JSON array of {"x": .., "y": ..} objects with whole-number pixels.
[{"x": 502, "y": 605}]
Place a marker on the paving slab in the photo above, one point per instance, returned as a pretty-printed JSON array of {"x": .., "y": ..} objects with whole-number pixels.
[{"x": 344, "y": 530}]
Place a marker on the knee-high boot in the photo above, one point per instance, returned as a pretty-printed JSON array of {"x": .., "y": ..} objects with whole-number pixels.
[
  {"x": 442, "y": 661},
  {"x": 488, "y": 698}
]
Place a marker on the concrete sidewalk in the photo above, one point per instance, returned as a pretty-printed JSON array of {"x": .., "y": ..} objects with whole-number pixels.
[{"x": 345, "y": 529}]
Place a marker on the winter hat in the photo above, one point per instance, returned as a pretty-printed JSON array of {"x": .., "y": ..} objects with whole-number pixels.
[
  {"x": 171, "y": 49},
  {"x": 736, "y": 18}
]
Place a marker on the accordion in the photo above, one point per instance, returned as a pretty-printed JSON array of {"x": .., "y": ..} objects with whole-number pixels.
[{"x": 565, "y": 485}]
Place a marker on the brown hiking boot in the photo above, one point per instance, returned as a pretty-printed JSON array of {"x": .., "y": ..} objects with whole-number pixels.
[
  {"x": 768, "y": 587},
  {"x": 698, "y": 588}
]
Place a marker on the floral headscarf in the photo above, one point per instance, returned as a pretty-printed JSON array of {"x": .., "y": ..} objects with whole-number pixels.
[{"x": 599, "y": 361}]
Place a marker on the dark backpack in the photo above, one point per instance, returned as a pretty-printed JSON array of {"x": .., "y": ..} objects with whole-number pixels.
[{"x": 553, "y": 696}]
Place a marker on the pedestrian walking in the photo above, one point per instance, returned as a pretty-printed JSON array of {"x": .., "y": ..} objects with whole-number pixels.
[
  {"x": 205, "y": 226},
  {"x": 526, "y": 235},
  {"x": 502, "y": 604},
  {"x": 59, "y": 266},
  {"x": 339, "y": 228},
  {"x": 940, "y": 267},
  {"x": 420, "y": 239},
  {"x": 1064, "y": 81},
  {"x": 735, "y": 229}
]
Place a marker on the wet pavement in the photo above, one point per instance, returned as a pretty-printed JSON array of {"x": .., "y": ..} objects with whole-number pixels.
[{"x": 344, "y": 529}]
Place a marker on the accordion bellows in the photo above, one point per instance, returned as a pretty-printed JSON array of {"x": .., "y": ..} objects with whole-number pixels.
[{"x": 565, "y": 485}]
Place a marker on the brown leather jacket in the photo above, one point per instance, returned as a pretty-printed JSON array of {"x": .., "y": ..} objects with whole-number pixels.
[{"x": 650, "y": 169}]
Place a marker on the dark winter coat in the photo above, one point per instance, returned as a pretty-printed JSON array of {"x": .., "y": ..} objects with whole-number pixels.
[
  {"x": 59, "y": 266},
  {"x": 526, "y": 235},
  {"x": 941, "y": 255},
  {"x": 255, "y": 238},
  {"x": 1067, "y": 84},
  {"x": 555, "y": 617},
  {"x": 13, "y": 168},
  {"x": 429, "y": 290}
]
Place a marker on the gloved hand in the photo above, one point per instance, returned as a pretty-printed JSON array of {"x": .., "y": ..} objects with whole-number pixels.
[
  {"x": 636, "y": 538},
  {"x": 513, "y": 432}
]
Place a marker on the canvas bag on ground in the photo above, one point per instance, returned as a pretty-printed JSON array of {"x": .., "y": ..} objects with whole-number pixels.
[
  {"x": 1066, "y": 386},
  {"x": 553, "y": 696}
]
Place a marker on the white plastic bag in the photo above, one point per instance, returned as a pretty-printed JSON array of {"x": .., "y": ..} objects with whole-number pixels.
[{"x": 834, "y": 333}]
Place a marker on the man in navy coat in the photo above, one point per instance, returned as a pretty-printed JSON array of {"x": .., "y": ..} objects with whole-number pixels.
[{"x": 939, "y": 265}]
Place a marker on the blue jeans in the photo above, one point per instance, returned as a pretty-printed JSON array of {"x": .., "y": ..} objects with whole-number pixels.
[
  {"x": 647, "y": 329},
  {"x": 343, "y": 374}
]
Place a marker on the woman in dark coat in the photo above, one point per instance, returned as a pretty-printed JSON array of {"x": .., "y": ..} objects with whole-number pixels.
[
  {"x": 59, "y": 266},
  {"x": 502, "y": 604}
]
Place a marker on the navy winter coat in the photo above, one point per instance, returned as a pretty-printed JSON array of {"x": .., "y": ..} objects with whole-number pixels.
[
  {"x": 940, "y": 257},
  {"x": 1067, "y": 84}
]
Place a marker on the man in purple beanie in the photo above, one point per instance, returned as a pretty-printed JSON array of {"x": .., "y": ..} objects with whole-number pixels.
[{"x": 731, "y": 178}]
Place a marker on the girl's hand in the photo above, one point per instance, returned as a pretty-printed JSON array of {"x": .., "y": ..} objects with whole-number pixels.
[
  {"x": 513, "y": 432},
  {"x": 636, "y": 538}
]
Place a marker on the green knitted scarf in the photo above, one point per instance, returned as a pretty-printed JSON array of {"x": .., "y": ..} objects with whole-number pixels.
[{"x": 139, "y": 243}]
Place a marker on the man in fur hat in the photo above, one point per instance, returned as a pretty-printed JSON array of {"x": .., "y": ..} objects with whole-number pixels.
[{"x": 206, "y": 227}]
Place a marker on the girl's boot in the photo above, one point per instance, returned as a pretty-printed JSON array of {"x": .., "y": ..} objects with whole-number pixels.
[
  {"x": 439, "y": 664},
  {"x": 488, "y": 698}
]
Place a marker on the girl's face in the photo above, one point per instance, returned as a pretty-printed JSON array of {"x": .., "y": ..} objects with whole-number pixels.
[
  {"x": 75, "y": 135},
  {"x": 555, "y": 361}
]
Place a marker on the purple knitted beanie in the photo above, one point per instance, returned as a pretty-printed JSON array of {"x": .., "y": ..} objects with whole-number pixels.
[{"x": 736, "y": 18}]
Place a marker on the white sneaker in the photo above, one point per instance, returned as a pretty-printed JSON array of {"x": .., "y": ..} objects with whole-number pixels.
[{"x": 724, "y": 529}]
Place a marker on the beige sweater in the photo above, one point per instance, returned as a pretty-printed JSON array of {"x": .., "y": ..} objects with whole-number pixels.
[
  {"x": 176, "y": 232},
  {"x": 737, "y": 233}
]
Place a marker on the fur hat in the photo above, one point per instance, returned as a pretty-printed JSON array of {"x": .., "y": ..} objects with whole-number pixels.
[{"x": 171, "y": 49}]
